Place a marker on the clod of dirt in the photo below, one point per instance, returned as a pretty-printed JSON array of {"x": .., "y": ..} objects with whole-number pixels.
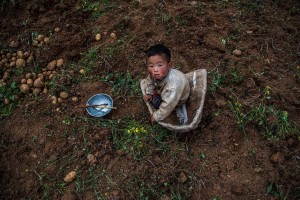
[
  {"x": 277, "y": 157},
  {"x": 98, "y": 37},
  {"x": 120, "y": 152},
  {"x": 220, "y": 103},
  {"x": 70, "y": 176},
  {"x": 30, "y": 60},
  {"x": 64, "y": 95},
  {"x": 6, "y": 75},
  {"x": 20, "y": 63},
  {"x": 14, "y": 44},
  {"x": 165, "y": 197},
  {"x": 91, "y": 159},
  {"x": 182, "y": 177},
  {"x": 69, "y": 196},
  {"x": 237, "y": 52}
]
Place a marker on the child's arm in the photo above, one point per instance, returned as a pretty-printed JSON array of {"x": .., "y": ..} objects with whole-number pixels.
[{"x": 170, "y": 99}]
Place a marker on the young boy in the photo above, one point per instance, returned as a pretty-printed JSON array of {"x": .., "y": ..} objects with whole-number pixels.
[{"x": 167, "y": 88}]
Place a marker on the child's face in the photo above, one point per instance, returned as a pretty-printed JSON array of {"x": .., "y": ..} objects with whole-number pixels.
[{"x": 158, "y": 67}]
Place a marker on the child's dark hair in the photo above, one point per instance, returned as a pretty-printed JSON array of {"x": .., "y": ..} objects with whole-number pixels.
[{"x": 159, "y": 49}]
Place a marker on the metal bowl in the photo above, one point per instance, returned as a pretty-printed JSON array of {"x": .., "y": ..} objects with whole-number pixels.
[{"x": 99, "y": 99}]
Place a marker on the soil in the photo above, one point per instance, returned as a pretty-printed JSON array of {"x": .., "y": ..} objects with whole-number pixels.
[{"x": 40, "y": 144}]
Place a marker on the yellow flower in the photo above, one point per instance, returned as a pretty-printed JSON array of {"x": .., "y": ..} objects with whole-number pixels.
[
  {"x": 136, "y": 130},
  {"x": 128, "y": 131}
]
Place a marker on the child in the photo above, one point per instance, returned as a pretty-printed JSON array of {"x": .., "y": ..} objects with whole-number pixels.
[{"x": 167, "y": 89}]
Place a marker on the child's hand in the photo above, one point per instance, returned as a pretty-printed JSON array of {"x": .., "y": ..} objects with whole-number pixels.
[{"x": 147, "y": 97}]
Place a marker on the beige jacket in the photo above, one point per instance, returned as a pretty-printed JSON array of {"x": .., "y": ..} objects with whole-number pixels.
[{"x": 174, "y": 90}]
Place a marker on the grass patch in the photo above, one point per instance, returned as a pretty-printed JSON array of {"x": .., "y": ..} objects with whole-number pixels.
[
  {"x": 272, "y": 123},
  {"x": 122, "y": 84},
  {"x": 8, "y": 94}
]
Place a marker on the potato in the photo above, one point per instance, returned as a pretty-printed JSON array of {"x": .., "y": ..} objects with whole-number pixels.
[
  {"x": 20, "y": 54},
  {"x": 20, "y": 63},
  {"x": 40, "y": 38},
  {"x": 4, "y": 60},
  {"x": 45, "y": 90},
  {"x": 35, "y": 43},
  {"x": 9, "y": 55},
  {"x": 75, "y": 99},
  {"x": 51, "y": 65},
  {"x": 59, "y": 62},
  {"x": 5, "y": 75},
  {"x": 81, "y": 71},
  {"x": 70, "y": 177},
  {"x": 12, "y": 64},
  {"x": 46, "y": 40},
  {"x": 113, "y": 36},
  {"x": 14, "y": 58},
  {"x": 6, "y": 101},
  {"x": 41, "y": 76},
  {"x": 28, "y": 75},
  {"x": 59, "y": 100},
  {"x": 23, "y": 81},
  {"x": 26, "y": 54},
  {"x": 38, "y": 83},
  {"x": 37, "y": 91},
  {"x": 98, "y": 37},
  {"x": 64, "y": 95},
  {"x": 57, "y": 29},
  {"x": 29, "y": 82},
  {"x": 51, "y": 76},
  {"x": 30, "y": 60},
  {"x": 24, "y": 88},
  {"x": 33, "y": 75}
]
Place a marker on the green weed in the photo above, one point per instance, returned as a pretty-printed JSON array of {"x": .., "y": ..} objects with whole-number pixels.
[
  {"x": 97, "y": 9},
  {"x": 218, "y": 80},
  {"x": 273, "y": 124},
  {"x": 236, "y": 76},
  {"x": 296, "y": 72},
  {"x": 8, "y": 93},
  {"x": 138, "y": 140}
]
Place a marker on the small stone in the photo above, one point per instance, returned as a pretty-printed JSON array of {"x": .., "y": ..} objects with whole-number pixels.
[
  {"x": 182, "y": 177},
  {"x": 193, "y": 3},
  {"x": 81, "y": 71},
  {"x": 237, "y": 52},
  {"x": 57, "y": 29},
  {"x": 249, "y": 32},
  {"x": 75, "y": 99},
  {"x": 277, "y": 157}
]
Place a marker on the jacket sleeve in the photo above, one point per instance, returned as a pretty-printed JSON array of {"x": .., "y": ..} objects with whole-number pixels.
[
  {"x": 150, "y": 88},
  {"x": 170, "y": 98}
]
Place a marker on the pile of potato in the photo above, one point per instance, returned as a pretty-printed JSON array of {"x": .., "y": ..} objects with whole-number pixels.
[
  {"x": 40, "y": 40},
  {"x": 34, "y": 83},
  {"x": 10, "y": 60}
]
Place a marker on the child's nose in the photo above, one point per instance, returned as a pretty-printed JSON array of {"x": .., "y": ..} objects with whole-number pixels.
[{"x": 156, "y": 68}]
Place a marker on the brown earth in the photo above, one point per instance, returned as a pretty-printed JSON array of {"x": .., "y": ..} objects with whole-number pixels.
[{"x": 39, "y": 144}]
